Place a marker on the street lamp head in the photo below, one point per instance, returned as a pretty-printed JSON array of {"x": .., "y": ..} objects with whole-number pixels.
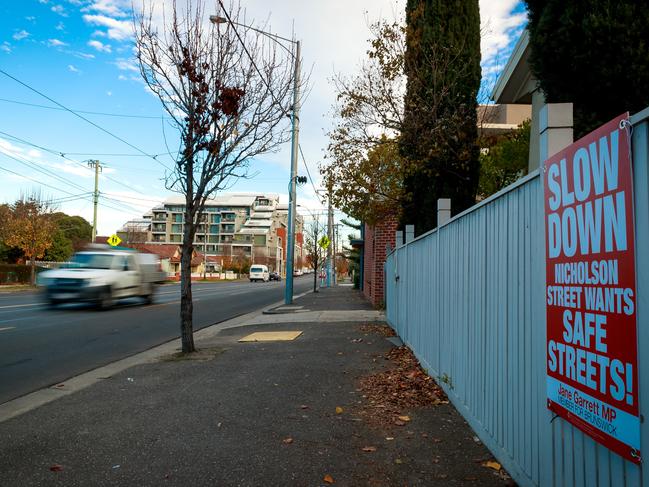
[{"x": 215, "y": 19}]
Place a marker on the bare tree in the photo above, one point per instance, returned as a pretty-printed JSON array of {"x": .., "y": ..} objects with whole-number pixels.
[
  {"x": 365, "y": 168},
  {"x": 227, "y": 91},
  {"x": 314, "y": 253}
]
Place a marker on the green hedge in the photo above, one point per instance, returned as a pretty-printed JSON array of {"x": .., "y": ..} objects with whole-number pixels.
[{"x": 16, "y": 273}]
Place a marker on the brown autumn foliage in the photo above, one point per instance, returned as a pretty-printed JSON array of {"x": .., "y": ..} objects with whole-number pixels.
[
  {"x": 403, "y": 387},
  {"x": 30, "y": 227}
]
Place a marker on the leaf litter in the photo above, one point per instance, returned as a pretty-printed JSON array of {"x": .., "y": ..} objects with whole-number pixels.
[{"x": 403, "y": 387}]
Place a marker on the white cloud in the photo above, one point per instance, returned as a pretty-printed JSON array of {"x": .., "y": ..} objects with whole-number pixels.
[
  {"x": 121, "y": 77},
  {"x": 127, "y": 65},
  {"x": 20, "y": 35},
  {"x": 56, "y": 43},
  {"x": 100, "y": 46},
  {"x": 117, "y": 29},
  {"x": 60, "y": 26},
  {"x": 499, "y": 25},
  {"x": 99, "y": 33},
  {"x": 109, "y": 93},
  {"x": 6, "y": 47},
  {"x": 30, "y": 18},
  {"x": 111, "y": 8},
  {"x": 58, "y": 9},
  {"x": 84, "y": 55},
  {"x": 73, "y": 69}
]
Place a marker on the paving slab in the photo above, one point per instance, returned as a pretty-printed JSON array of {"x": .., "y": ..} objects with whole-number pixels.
[{"x": 247, "y": 414}]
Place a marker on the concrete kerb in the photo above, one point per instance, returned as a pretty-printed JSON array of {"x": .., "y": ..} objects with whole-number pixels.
[{"x": 38, "y": 398}]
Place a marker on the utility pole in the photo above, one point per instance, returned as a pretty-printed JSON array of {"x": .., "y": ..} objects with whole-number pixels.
[
  {"x": 336, "y": 236},
  {"x": 330, "y": 234},
  {"x": 292, "y": 208},
  {"x": 97, "y": 165}
]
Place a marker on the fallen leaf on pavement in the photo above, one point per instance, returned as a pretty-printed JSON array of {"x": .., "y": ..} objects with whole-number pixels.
[
  {"x": 329, "y": 479},
  {"x": 398, "y": 461},
  {"x": 339, "y": 410},
  {"x": 369, "y": 449},
  {"x": 404, "y": 418},
  {"x": 287, "y": 441},
  {"x": 403, "y": 386},
  {"x": 389, "y": 438},
  {"x": 56, "y": 468},
  {"x": 491, "y": 464},
  {"x": 398, "y": 422}
]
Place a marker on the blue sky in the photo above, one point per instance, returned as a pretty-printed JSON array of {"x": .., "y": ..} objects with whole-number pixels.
[{"x": 79, "y": 53}]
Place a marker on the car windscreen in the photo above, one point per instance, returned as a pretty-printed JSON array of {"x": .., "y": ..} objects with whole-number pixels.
[
  {"x": 256, "y": 269},
  {"x": 92, "y": 261}
]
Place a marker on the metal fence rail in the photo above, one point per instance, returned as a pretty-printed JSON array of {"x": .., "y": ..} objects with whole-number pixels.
[{"x": 468, "y": 298}]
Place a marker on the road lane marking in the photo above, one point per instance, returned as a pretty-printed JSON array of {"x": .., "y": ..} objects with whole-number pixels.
[
  {"x": 7, "y": 328},
  {"x": 20, "y": 305}
]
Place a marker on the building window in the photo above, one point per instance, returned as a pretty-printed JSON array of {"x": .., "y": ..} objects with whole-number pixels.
[{"x": 176, "y": 228}]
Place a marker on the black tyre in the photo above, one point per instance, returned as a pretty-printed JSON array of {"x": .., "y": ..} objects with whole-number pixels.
[
  {"x": 150, "y": 296},
  {"x": 105, "y": 300}
]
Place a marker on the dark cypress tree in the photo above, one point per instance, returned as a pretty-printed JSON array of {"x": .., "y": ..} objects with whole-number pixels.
[
  {"x": 593, "y": 53},
  {"x": 439, "y": 136}
]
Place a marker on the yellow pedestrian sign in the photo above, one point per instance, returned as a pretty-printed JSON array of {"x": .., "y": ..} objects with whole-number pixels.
[
  {"x": 324, "y": 242},
  {"x": 114, "y": 240}
]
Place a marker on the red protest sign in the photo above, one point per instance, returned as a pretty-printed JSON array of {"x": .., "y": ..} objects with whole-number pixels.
[{"x": 592, "y": 378}]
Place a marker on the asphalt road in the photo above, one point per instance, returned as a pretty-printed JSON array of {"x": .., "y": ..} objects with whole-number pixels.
[{"x": 40, "y": 347}]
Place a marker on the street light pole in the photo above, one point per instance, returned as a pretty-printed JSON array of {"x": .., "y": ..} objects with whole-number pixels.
[
  {"x": 295, "y": 121},
  {"x": 295, "y": 132}
]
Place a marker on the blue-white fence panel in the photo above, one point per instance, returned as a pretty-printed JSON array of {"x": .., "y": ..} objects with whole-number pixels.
[{"x": 468, "y": 298}]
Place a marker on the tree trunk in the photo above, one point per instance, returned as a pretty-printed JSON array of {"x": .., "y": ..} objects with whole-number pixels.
[
  {"x": 186, "y": 303},
  {"x": 315, "y": 279},
  {"x": 32, "y": 279}
]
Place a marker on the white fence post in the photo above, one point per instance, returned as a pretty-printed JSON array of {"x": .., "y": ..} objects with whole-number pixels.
[
  {"x": 443, "y": 211},
  {"x": 410, "y": 233}
]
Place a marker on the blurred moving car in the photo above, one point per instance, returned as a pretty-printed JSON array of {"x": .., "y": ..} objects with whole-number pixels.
[
  {"x": 101, "y": 275},
  {"x": 259, "y": 273},
  {"x": 275, "y": 276},
  {"x": 297, "y": 273}
]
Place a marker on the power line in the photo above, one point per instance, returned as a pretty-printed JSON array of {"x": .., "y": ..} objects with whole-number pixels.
[
  {"x": 36, "y": 181},
  {"x": 33, "y": 165},
  {"x": 64, "y": 156},
  {"x": 315, "y": 191},
  {"x": 69, "y": 199},
  {"x": 104, "y": 114},
  {"x": 121, "y": 203},
  {"x": 83, "y": 118},
  {"x": 134, "y": 198}
]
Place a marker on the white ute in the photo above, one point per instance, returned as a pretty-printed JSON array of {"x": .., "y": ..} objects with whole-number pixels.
[{"x": 102, "y": 276}]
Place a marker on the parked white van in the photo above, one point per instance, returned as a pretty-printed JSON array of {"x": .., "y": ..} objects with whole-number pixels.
[{"x": 259, "y": 273}]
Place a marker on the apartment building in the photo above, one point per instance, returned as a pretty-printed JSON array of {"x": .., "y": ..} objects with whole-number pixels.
[{"x": 233, "y": 227}]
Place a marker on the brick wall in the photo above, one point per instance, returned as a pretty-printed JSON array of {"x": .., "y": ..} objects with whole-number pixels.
[{"x": 376, "y": 239}]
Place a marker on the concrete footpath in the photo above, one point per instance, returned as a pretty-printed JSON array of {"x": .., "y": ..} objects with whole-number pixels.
[{"x": 340, "y": 404}]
